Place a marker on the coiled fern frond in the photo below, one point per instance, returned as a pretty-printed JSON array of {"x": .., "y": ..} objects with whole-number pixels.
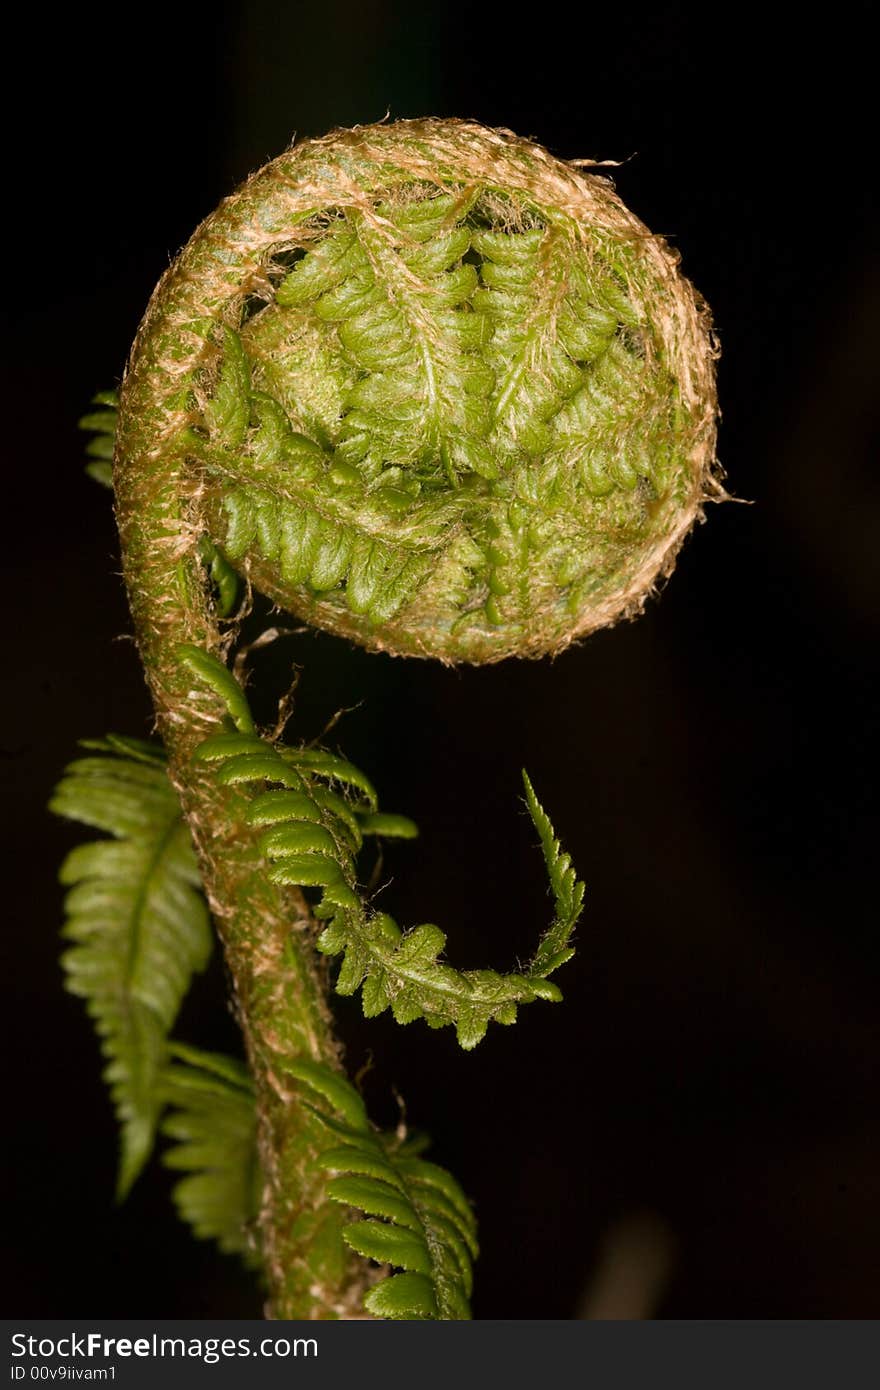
[
  {"x": 428, "y": 388},
  {"x": 137, "y": 921},
  {"x": 437, "y": 391}
]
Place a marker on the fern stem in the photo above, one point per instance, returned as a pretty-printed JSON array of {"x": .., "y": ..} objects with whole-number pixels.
[{"x": 278, "y": 981}]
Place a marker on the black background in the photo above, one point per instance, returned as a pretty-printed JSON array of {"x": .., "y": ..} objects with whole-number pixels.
[{"x": 708, "y": 767}]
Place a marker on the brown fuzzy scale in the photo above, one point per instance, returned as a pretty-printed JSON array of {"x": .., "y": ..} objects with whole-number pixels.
[{"x": 598, "y": 565}]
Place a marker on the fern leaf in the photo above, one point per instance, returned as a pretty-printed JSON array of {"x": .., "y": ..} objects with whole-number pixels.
[
  {"x": 222, "y": 682},
  {"x": 415, "y": 1216},
  {"x": 568, "y": 892},
  {"x": 526, "y": 277},
  {"x": 137, "y": 921},
  {"x": 317, "y": 527},
  {"x": 418, "y": 350},
  {"x": 387, "y": 302},
  {"x": 387, "y": 824},
  {"x": 226, "y": 580},
  {"x": 102, "y": 424},
  {"x": 212, "y": 1121},
  {"x": 228, "y": 410},
  {"x": 308, "y": 843}
]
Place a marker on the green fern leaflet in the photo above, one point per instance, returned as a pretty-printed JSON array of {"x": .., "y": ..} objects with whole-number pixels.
[
  {"x": 213, "y": 1123},
  {"x": 415, "y": 1216},
  {"x": 101, "y": 424},
  {"x": 312, "y": 809},
  {"x": 137, "y": 921}
]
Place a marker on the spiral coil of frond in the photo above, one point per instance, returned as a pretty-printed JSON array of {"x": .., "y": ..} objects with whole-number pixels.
[{"x": 432, "y": 390}]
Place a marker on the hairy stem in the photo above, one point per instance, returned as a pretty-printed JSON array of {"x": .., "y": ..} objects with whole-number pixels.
[{"x": 267, "y": 932}]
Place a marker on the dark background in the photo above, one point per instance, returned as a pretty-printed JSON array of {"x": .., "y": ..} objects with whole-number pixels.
[{"x": 714, "y": 1062}]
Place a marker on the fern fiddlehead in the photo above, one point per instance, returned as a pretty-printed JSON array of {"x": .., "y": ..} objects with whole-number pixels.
[{"x": 432, "y": 390}]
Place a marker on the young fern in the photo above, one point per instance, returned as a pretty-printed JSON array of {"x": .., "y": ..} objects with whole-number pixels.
[{"x": 430, "y": 389}]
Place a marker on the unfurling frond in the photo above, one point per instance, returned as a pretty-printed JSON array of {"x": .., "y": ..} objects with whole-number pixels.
[
  {"x": 425, "y": 387},
  {"x": 213, "y": 1123},
  {"x": 312, "y": 809},
  {"x": 469, "y": 413},
  {"x": 415, "y": 1216},
  {"x": 137, "y": 921}
]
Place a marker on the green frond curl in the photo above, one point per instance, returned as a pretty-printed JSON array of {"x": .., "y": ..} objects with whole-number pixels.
[
  {"x": 212, "y": 1120},
  {"x": 311, "y": 808},
  {"x": 471, "y": 414},
  {"x": 415, "y": 1216},
  {"x": 137, "y": 921}
]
